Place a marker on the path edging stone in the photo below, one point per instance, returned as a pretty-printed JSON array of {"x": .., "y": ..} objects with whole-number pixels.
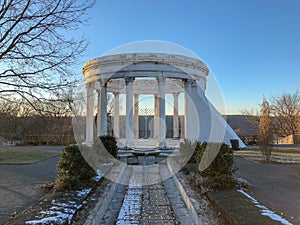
[
  {"x": 191, "y": 204},
  {"x": 99, "y": 210}
]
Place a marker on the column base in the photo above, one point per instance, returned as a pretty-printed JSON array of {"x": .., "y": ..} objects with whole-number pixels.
[
  {"x": 129, "y": 145},
  {"x": 88, "y": 143},
  {"x": 162, "y": 145}
]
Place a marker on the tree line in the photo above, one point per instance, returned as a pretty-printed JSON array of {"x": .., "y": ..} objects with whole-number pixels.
[{"x": 20, "y": 122}]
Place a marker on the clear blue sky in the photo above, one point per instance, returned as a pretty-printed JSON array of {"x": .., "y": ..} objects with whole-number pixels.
[{"x": 252, "y": 47}]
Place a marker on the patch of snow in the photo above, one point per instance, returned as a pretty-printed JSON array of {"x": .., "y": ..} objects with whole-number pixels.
[
  {"x": 61, "y": 212},
  {"x": 46, "y": 220},
  {"x": 264, "y": 210},
  {"x": 58, "y": 204},
  {"x": 59, "y": 218},
  {"x": 242, "y": 181},
  {"x": 65, "y": 209},
  {"x": 132, "y": 203},
  {"x": 99, "y": 176},
  {"x": 107, "y": 164},
  {"x": 84, "y": 192}
]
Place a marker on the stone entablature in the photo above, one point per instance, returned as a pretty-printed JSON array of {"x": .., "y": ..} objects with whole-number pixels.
[
  {"x": 144, "y": 87},
  {"x": 146, "y": 65}
]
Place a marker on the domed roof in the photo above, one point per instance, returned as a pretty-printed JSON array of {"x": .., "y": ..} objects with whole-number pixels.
[
  {"x": 152, "y": 46},
  {"x": 147, "y": 59}
]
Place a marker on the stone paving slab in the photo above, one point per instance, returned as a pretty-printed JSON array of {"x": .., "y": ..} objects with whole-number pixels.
[{"x": 146, "y": 204}]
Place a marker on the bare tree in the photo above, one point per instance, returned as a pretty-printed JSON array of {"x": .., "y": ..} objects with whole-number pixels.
[
  {"x": 286, "y": 111},
  {"x": 251, "y": 125},
  {"x": 265, "y": 135},
  {"x": 9, "y": 111},
  {"x": 19, "y": 121},
  {"x": 37, "y": 49}
]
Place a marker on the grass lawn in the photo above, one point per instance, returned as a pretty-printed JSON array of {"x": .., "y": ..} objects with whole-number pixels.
[
  {"x": 25, "y": 155},
  {"x": 280, "y": 154}
]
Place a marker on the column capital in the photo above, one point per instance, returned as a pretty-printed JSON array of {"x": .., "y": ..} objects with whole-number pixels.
[
  {"x": 160, "y": 79},
  {"x": 90, "y": 85},
  {"x": 187, "y": 82},
  {"x": 175, "y": 94},
  {"x": 193, "y": 83},
  {"x": 129, "y": 80},
  {"x": 102, "y": 82}
]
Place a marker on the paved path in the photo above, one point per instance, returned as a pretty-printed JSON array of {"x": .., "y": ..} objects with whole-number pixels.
[
  {"x": 275, "y": 185},
  {"x": 159, "y": 203},
  {"x": 20, "y": 185}
]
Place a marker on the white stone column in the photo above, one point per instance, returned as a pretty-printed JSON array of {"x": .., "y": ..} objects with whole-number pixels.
[
  {"x": 194, "y": 131},
  {"x": 161, "y": 112},
  {"x": 89, "y": 114},
  {"x": 98, "y": 112},
  {"x": 175, "y": 116},
  {"x": 136, "y": 116},
  {"x": 129, "y": 111},
  {"x": 155, "y": 122},
  {"x": 116, "y": 115},
  {"x": 187, "y": 108},
  {"x": 103, "y": 109}
]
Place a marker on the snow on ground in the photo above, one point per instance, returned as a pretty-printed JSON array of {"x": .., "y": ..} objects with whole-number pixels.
[
  {"x": 265, "y": 211},
  {"x": 98, "y": 176},
  {"x": 243, "y": 181},
  {"x": 62, "y": 212}
]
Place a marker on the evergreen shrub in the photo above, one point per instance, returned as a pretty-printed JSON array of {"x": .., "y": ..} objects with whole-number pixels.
[
  {"x": 74, "y": 172},
  {"x": 219, "y": 172}
]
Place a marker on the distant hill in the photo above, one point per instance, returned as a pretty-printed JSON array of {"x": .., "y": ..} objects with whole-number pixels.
[{"x": 242, "y": 124}]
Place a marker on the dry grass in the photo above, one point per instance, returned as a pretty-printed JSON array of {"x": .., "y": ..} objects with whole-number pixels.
[
  {"x": 280, "y": 154},
  {"x": 25, "y": 155}
]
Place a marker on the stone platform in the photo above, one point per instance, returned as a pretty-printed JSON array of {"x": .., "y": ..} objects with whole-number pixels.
[{"x": 149, "y": 143}]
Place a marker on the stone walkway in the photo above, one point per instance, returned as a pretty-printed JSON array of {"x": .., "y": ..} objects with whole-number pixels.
[
  {"x": 145, "y": 204},
  {"x": 136, "y": 203}
]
